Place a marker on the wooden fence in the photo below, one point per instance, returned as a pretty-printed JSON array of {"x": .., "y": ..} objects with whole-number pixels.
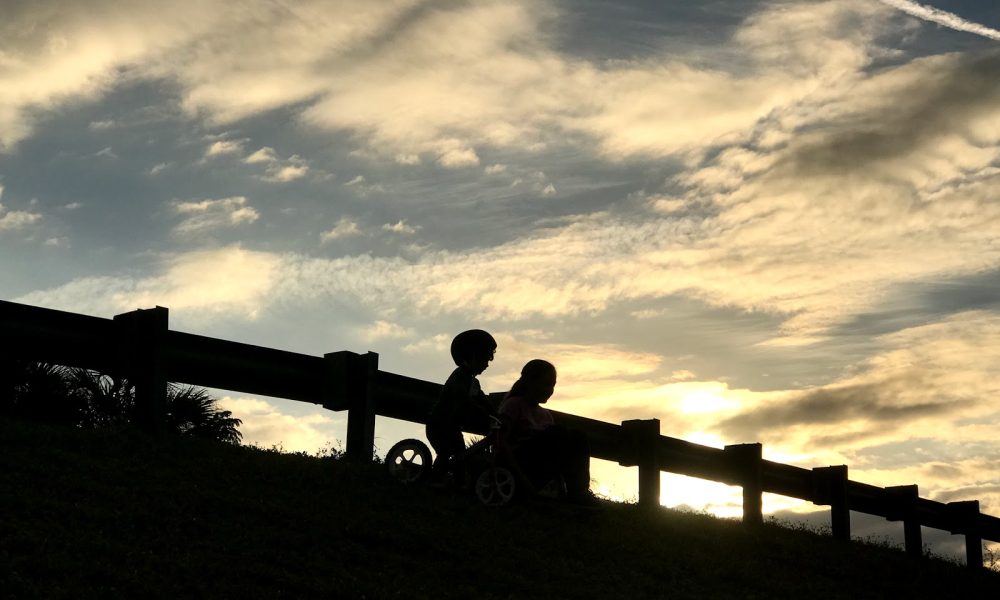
[{"x": 140, "y": 345}]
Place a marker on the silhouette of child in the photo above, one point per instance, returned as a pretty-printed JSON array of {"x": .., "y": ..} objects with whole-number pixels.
[
  {"x": 462, "y": 403},
  {"x": 542, "y": 449}
]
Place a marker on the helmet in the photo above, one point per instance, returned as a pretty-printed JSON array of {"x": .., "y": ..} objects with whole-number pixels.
[{"x": 472, "y": 344}]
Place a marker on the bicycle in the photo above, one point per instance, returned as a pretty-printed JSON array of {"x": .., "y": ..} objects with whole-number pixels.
[{"x": 494, "y": 484}]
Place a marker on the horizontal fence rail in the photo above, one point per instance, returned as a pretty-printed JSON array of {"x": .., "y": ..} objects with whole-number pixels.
[{"x": 140, "y": 346}]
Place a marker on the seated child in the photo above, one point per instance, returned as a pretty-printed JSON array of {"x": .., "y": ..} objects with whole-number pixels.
[
  {"x": 462, "y": 403},
  {"x": 543, "y": 450}
]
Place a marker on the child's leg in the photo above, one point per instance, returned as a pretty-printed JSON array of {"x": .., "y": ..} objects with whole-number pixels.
[
  {"x": 447, "y": 442},
  {"x": 558, "y": 451}
]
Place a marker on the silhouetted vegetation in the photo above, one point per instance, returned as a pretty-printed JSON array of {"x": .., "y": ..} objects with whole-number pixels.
[
  {"x": 91, "y": 400},
  {"x": 105, "y": 513}
]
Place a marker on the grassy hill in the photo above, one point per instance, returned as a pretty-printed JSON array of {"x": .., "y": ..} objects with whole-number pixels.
[{"x": 101, "y": 514}]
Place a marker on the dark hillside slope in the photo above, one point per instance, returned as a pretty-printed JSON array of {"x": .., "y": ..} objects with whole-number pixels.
[{"x": 101, "y": 515}]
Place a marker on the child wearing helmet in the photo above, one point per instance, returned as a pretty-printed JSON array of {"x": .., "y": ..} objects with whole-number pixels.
[{"x": 462, "y": 403}]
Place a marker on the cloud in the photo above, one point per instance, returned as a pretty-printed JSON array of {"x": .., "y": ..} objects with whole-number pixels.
[
  {"x": 408, "y": 159},
  {"x": 458, "y": 157},
  {"x": 277, "y": 169},
  {"x": 400, "y": 227},
  {"x": 509, "y": 88},
  {"x": 941, "y": 17},
  {"x": 444, "y": 81},
  {"x": 266, "y": 426},
  {"x": 202, "y": 216},
  {"x": 778, "y": 222},
  {"x": 895, "y": 162},
  {"x": 578, "y": 363},
  {"x": 345, "y": 227},
  {"x": 933, "y": 381},
  {"x": 287, "y": 173},
  {"x": 380, "y": 330},
  {"x": 438, "y": 343},
  {"x": 54, "y": 53},
  {"x": 11, "y": 220},
  {"x": 224, "y": 147},
  {"x": 440, "y": 81},
  {"x": 263, "y": 155},
  {"x": 227, "y": 280}
]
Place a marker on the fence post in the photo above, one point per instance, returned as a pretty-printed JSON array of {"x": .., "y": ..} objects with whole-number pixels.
[
  {"x": 141, "y": 335},
  {"x": 642, "y": 438},
  {"x": 902, "y": 506},
  {"x": 6, "y": 381},
  {"x": 830, "y": 487},
  {"x": 965, "y": 519},
  {"x": 349, "y": 384},
  {"x": 746, "y": 461}
]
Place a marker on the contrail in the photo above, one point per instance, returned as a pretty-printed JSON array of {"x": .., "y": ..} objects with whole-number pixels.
[{"x": 936, "y": 15}]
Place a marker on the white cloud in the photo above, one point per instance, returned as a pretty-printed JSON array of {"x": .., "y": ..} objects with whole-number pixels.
[
  {"x": 227, "y": 280},
  {"x": 266, "y": 426},
  {"x": 458, "y": 157},
  {"x": 778, "y": 224},
  {"x": 277, "y": 169},
  {"x": 157, "y": 168},
  {"x": 201, "y": 216},
  {"x": 919, "y": 410},
  {"x": 360, "y": 186},
  {"x": 437, "y": 343},
  {"x": 54, "y": 52},
  {"x": 401, "y": 227},
  {"x": 286, "y": 173},
  {"x": 451, "y": 80},
  {"x": 380, "y": 330},
  {"x": 224, "y": 147},
  {"x": 666, "y": 204},
  {"x": 682, "y": 375},
  {"x": 263, "y": 155},
  {"x": 11, "y": 220},
  {"x": 408, "y": 159},
  {"x": 345, "y": 227},
  {"x": 495, "y": 169}
]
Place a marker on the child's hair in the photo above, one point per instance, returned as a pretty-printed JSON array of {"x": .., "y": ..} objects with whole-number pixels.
[
  {"x": 532, "y": 370},
  {"x": 472, "y": 344}
]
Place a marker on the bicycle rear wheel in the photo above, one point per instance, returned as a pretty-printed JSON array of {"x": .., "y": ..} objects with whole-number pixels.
[{"x": 495, "y": 486}]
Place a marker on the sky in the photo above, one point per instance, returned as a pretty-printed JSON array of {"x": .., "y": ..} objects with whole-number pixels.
[{"x": 757, "y": 221}]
